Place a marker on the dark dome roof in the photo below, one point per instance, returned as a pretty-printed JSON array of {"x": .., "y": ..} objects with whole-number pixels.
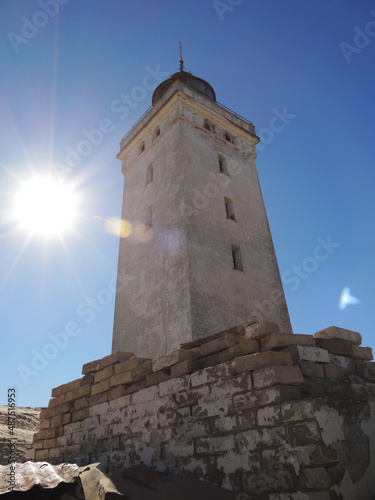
[{"x": 191, "y": 80}]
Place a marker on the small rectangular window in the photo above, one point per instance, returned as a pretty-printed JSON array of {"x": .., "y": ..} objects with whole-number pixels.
[
  {"x": 223, "y": 167},
  {"x": 237, "y": 258},
  {"x": 156, "y": 132},
  {"x": 141, "y": 147},
  {"x": 148, "y": 221},
  {"x": 229, "y": 208},
  {"x": 150, "y": 174}
]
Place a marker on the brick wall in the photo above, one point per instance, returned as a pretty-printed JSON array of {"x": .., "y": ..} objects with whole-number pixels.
[{"x": 251, "y": 409}]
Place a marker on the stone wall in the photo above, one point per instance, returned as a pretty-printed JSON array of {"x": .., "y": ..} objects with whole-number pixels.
[{"x": 271, "y": 415}]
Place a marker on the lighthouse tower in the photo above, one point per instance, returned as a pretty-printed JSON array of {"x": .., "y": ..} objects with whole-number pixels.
[{"x": 198, "y": 257}]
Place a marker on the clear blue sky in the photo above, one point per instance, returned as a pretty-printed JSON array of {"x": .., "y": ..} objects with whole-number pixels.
[{"x": 61, "y": 73}]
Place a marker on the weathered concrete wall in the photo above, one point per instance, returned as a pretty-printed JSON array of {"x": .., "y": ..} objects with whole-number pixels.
[
  {"x": 176, "y": 280},
  {"x": 275, "y": 416}
]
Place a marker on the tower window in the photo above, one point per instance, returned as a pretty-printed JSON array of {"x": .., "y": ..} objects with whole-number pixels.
[
  {"x": 150, "y": 174},
  {"x": 148, "y": 221},
  {"x": 229, "y": 208},
  {"x": 208, "y": 125},
  {"x": 156, "y": 132},
  {"x": 228, "y": 137},
  {"x": 142, "y": 147},
  {"x": 223, "y": 167},
  {"x": 237, "y": 258}
]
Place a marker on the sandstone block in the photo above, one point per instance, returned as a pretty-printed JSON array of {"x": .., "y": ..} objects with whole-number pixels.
[
  {"x": 184, "y": 367},
  {"x": 97, "y": 399},
  {"x": 90, "y": 367},
  {"x": 79, "y": 392},
  {"x": 249, "y": 346},
  {"x": 311, "y": 369},
  {"x": 289, "y": 375},
  {"x": 261, "y": 360},
  {"x": 45, "y": 434},
  {"x": 116, "y": 392},
  {"x": 61, "y": 389},
  {"x": 261, "y": 329},
  {"x": 362, "y": 353},
  {"x": 80, "y": 414},
  {"x": 145, "y": 395},
  {"x": 219, "y": 344},
  {"x": 137, "y": 386},
  {"x": 170, "y": 359},
  {"x": 207, "y": 361},
  {"x": 47, "y": 413},
  {"x": 157, "y": 377},
  {"x": 100, "y": 387},
  {"x": 62, "y": 419},
  {"x": 273, "y": 395},
  {"x": 115, "y": 357},
  {"x": 56, "y": 401},
  {"x": 333, "y": 371},
  {"x": 279, "y": 340},
  {"x": 80, "y": 403},
  {"x": 334, "y": 346},
  {"x": 131, "y": 376},
  {"x": 49, "y": 443},
  {"x": 102, "y": 374},
  {"x": 42, "y": 455},
  {"x": 314, "y": 354},
  {"x": 38, "y": 444},
  {"x": 129, "y": 364},
  {"x": 334, "y": 332},
  {"x": 87, "y": 379}
]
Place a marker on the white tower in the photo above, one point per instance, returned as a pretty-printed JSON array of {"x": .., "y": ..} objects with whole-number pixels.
[{"x": 200, "y": 258}]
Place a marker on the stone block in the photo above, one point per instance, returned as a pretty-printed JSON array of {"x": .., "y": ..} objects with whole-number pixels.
[
  {"x": 366, "y": 370},
  {"x": 184, "y": 367},
  {"x": 97, "y": 399},
  {"x": 261, "y": 329},
  {"x": 47, "y": 413},
  {"x": 170, "y": 359},
  {"x": 56, "y": 401},
  {"x": 346, "y": 363},
  {"x": 80, "y": 414},
  {"x": 362, "y": 353},
  {"x": 100, "y": 387},
  {"x": 261, "y": 360},
  {"x": 273, "y": 395},
  {"x": 145, "y": 395},
  {"x": 116, "y": 392},
  {"x": 45, "y": 434},
  {"x": 70, "y": 386},
  {"x": 299, "y": 410},
  {"x": 270, "y": 416},
  {"x": 91, "y": 367},
  {"x": 213, "y": 445},
  {"x": 174, "y": 386},
  {"x": 62, "y": 419},
  {"x": 42, "y": 455},
  {"x": 115, "y": 357},
  {"x": 311, "y": 369},
  {"x": 103, "y": 374},
  {"x": 49, "y": 443},
  {"x": 207, "y": 361},
  {"x": 333, "y": 371},
  {"x": 316, "y": 479},
  {"x": 131, "y": 376},
  {"x": 137, "y": 386},
  {"x": 79, "y": 392},
  {"x": 80, "y": 403},
  {"x": 279, "y": 340},
  {"x": 219, "y": 344},
  {"x": 334, "y": 346},
  {"x": 314, "y": 354},
  {"x": 157, "y": 377},
  {"x": 64, "y": 408},
  {"x": 334, "y": 332},
  {"x": 38, "y": 444},
  {"x": 129, "y": 364},
  {"x": 87, "y": 379},
  {"x": 44, "y": 424},
  {"x": 271, "y": 375},
  {"x": 249, "y": 346}
]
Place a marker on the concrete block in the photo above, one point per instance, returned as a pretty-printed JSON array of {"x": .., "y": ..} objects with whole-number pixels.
[
  {"x": 362, "y": 353},
  {"x": 131, "y": 376},
  {"x": 61, "y": 389},
  {"x": 261, "y": 329},
  {"x": 249, "y": 346},
  {"x": 129, "y": 364},
  {"x": 184, "y": 367},
  {"x": 91, "y": 367},
  {"x": 279, "y": 340},
  {"x": 80, "y": 414},
  {"x": 157, "y": 377},
  {"x": 334, "y": 346},
  {"x": 102, "y": 374},
  {"x": 100, "y": 387},
  {"x": 97, "y": 399},
  {"x": 170, "y": 359},
  {"x": 115, "y": 357},
  {"x": 261, "y": 360},
  {"x": 219, "y": 344},
  {"x": 314, "y": 354},
  {"x": 289, "y": 375},
  {"x": 334, "y": 332},
  {"x": 311, "y": 369}
]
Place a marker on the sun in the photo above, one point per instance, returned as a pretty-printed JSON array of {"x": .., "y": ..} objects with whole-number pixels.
[{"x": 46, "y": 206}]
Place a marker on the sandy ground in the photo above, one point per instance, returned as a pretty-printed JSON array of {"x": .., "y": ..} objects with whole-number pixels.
[{"x": 27, "y": 423}]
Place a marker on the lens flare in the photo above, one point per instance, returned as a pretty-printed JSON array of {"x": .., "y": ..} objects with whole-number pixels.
[
  {"x": 346, "y": 298},
  {"x": 118, "y": 227}
]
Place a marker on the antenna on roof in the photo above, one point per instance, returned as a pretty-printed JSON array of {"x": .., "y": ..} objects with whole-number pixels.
[{"x": 181, "y": 61}]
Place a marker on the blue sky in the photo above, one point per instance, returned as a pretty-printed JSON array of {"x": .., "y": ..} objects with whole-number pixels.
[{"x": 61, "y": 75}]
